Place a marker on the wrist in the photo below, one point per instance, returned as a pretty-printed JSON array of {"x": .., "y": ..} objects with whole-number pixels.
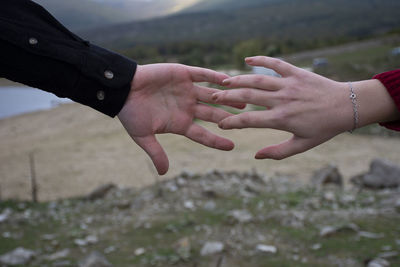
[
  {"x": 138, "y": 81},
  {"x": 374, "y": 103}
]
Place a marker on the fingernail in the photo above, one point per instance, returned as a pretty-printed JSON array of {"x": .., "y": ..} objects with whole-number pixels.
[
  {"x": 248, "y": 59},
  {"x": 226, "y": 82}
]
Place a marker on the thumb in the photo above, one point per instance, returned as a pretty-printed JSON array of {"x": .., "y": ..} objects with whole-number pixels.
[
  {"x": 290, "y": 147},
  {"x": 155, "y": 151}
]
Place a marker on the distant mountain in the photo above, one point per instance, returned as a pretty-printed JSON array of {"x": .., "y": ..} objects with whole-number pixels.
[
  {"x": 208, "y": 5},
  {"x": 86, "y": 14},
  {"x": 267, "y": 19}
]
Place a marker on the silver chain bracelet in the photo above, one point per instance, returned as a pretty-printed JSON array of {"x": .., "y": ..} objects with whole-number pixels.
[{"x": 353, "y": 98}]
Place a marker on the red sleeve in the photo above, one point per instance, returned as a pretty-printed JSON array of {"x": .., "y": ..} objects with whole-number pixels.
[{"x": 391, "y": 80}]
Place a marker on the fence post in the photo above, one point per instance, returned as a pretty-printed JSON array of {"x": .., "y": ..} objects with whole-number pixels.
[{"x": 34, "y": 187}]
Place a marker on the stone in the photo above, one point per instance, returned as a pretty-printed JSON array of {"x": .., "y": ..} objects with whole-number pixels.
[
  {"x": 5, "y": 215},
  {"x": 210, "y": 248},
  {"x": 327, "y": 175},
  {"x": 378, "y": 262},
  {"x": 371, "y": 235},
  {"x": 183, "y": 247},
  {"x": 316, "y": 246},
  {"x": 382, "y": 174},
  {"x": 330, "y": 230},
  {"x": 388, "y": 254},
  {"x": 241, "y": 216},
  {"x": 58, "y": 255},
  {"x": 18, "y": 256},
  {"x": 329, "y": 196},
  {"x": 210, "y": 205},
  {"x": 95, "y": 259},
  {"x": 63, "y": 263},
  {"x": 139, "y": 251},
  {"x": 90, "y": 239},
  {"x": 188, "y": 204},
  {"x": 109, "y": 249},
  {"x": 101, "y": 191},
  {"x": 266, "y": 248},
  {"x": 347, "y": 199}
]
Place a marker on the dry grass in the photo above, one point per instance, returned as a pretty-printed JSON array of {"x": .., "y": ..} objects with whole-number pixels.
[{"x": 76, "y": 149}]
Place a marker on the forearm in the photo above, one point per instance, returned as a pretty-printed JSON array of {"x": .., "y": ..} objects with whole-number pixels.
[
  {"x": 374, "y": 103},
  {"x": 391, "y": 81},
  {"x": 37, "y": 50}
]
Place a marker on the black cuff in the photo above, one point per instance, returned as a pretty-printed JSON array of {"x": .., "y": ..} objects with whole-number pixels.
[{"x": 105, "y": 81}]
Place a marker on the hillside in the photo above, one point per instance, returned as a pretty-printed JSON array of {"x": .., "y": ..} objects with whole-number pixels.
[
  {"x": 86, "y": 14},
  {"x": 208, "y": 5},
  {"x": 276, "y": 20}
]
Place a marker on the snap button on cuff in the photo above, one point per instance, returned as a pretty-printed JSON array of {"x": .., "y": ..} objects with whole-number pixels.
[
  {"x": 100, "y": 95},
  {"x": 108, "y": 74},
  {"x": 33, "y": 41}
]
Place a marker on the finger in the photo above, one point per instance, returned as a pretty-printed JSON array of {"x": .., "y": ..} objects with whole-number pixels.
[
  {"x": 204, "y": 94},
  {"x": 252, "y": 119},
  {"x": 290, "y": 147},
  {"x": 204, "y": 137},
  {"x": 209, "y": 113},
  {"x": 205, "y": 75},
  {"x": 283, "y": 68},
  {"x": 250, "y": 96},
  {"x": 155, "y": 152},
  {"x": 258, "y": 81}
]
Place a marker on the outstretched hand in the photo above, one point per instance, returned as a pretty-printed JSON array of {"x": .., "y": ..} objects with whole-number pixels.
[
  {"x": 164, "y": 99},
  {"x": 310, "y": 106}
]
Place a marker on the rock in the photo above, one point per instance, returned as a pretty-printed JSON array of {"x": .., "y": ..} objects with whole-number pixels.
[
  {"x": 210, "y": 248},
  {"x": 327, "y": 175},
  {"x": 210, "y": 205},
  {"x": 64, "y": 263},
  {"x": 58, "y": 255},
  {"x": 316, "y": 246},
  {"x": 123, "y": 205},
  {"x": 329, "y": 196},
  {"x": 101, "y": 191},
  {"x": 347, "y": 199},
  {"x": 18, "y": 256},
  {"x": 388, "y": 254},
  {"x": 109, "y": 249},
  {"x": 330, "y": 230},
  {"x": 370, "y": 235},
  {"x": 48, "y": 237},
  {"x": 241, "y": 216},
  {"x": 5, "y": 215},
  {"x": 183, "y": 247},
  {"x": 171, "y": 186},
  {"x": 382, "y": 174},
  {"x": 378, "y": 263},
  {"x": 266, "y": 248},
  {"x": 95, "y": 259},
  {"x": 90, "y": 239},
  {"x": 80, "y": 242},
  {"x": 139, "y": 251},
  {"x": 188, "y": 204}
]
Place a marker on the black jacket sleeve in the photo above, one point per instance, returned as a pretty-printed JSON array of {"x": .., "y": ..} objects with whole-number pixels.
[{"x": 36, "y": 50}]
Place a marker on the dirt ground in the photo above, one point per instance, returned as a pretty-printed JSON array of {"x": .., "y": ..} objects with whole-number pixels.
[{"x": 77, "y": 149}]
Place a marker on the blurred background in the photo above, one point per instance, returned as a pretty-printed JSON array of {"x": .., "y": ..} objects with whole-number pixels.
[{"x": 73, "y": 182}]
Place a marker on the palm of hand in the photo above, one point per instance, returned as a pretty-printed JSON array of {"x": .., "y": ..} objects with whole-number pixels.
[{"x": 165, "y": 100}]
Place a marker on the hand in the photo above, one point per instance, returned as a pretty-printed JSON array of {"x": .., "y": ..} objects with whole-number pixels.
[
  {"x": 163, "y": 99},
  {"x": 310, "y": 106}
]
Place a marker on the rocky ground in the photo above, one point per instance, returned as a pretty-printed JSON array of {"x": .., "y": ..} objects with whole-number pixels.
[{"x": 214, "y": 219}]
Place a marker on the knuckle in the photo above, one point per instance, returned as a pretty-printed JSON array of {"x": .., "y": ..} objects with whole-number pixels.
[
  {"x": 258, "y": 79},
  {"x": 243, "y": 120},
  {"x": 246, "y": 95}
]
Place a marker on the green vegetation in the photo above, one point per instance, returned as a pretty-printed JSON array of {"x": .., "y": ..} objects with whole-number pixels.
[{"x": 160, "y": 236}]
